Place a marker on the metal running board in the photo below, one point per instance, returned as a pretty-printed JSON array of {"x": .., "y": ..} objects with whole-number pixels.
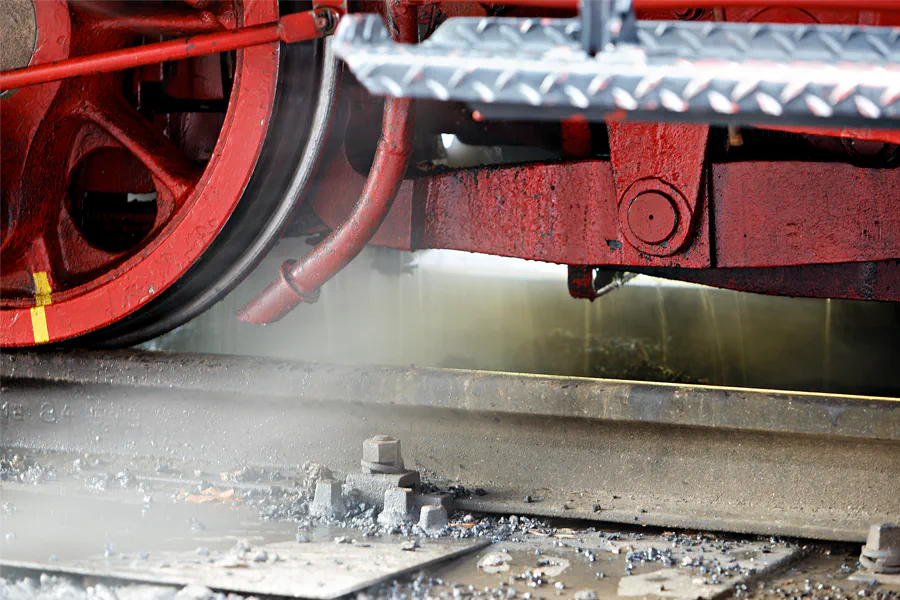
[{"x": 825, "y": 75}]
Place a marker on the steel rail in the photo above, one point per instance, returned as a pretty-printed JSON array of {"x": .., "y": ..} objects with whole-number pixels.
[{"x": 754, "y": 461}]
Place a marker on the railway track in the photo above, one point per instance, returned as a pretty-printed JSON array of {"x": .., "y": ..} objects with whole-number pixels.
[{"x": 144, "y": 443}]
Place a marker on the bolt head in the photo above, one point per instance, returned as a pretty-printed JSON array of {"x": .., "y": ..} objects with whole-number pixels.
[
  {"x": 883, "y": 537},
  {"x": 652, "y": 217},
  {"x": 382, "y": 449}
]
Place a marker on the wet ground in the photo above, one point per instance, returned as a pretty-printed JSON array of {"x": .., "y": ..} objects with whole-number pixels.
[{"x": 99, "y": 528}]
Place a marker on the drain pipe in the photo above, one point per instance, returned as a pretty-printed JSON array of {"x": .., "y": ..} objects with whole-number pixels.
[{"x": 299, "y": 281}]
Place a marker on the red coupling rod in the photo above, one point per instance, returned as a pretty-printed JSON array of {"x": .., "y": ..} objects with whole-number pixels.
[
  {"x": 291, "y": 28},
  {"x": 299, "y": 281}
]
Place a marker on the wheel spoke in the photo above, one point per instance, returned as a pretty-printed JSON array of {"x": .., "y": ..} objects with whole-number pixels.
[
  {"x": 40, "y": 255},
  {"x": 18, "y": 279},
  {"x": 165, "y": 161},
  {"x": 74, "y": 256},
  {"x": 166, "y": 205}
]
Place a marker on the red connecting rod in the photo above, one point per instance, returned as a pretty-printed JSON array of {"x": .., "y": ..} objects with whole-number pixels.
[{"x": 291, "y": 28}]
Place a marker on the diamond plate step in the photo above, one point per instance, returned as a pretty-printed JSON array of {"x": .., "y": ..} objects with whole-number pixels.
[{"x": 691, "y": 71}]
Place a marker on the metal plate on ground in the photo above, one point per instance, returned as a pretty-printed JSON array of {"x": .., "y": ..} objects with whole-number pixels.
[
  {"x": 107, "y": 534},
  {"x": 611, "y": 563},
  {"x": 217, "y": 546},
  {"x": 319, "y": 570}
]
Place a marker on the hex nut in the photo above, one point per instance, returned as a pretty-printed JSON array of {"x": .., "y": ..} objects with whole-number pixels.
[
  {"x": 881, "y": 554},
  {"x": 328, "y": 503},
  {"x": 399, "y": 505},
  {"x": 383, "y": 450},
  {"x": 433, "y": 518}
]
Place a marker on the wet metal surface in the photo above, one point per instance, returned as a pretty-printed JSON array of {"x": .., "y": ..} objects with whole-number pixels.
[
  {"x": 223, "y": 545},
  {"x": 827, "y": 573},
  {"x": 627, "y": 564},
  {"x": 216, "y": 546}
]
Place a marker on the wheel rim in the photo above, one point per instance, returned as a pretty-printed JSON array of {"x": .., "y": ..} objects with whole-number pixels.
[
  {"x": 60, "y": 279},
  {"x": 307, "y": 86}
]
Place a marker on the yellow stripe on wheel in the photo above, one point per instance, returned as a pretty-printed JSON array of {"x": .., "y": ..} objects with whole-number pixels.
[{"x": 42, "y": 297}]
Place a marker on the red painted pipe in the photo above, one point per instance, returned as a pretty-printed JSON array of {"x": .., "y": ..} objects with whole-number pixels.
[
  {"x": 291, "y": 28},
  {"x": 299, "y": 281}
]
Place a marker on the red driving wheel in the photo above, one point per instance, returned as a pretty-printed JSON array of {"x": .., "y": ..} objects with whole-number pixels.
[{"x": 115, "y": 185}]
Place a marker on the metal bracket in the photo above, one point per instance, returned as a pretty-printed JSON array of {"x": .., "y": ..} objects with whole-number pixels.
[
  {"x": 606, "y": 23},
  {"x": 590, "y": 283},
  {"x": 658, "y": 173}
]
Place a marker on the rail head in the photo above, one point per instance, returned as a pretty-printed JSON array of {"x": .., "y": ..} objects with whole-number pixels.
[{"x": 280, "y": 381}]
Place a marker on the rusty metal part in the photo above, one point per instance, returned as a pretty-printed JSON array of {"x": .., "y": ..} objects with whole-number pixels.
[
  {"x": 300, "y": 280},
  {"x": 328, "y": 502},
  {"x": 291, "y": 28},
  {"x": 758, "y": 461},
  {"x": 881, "y": 554}
]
